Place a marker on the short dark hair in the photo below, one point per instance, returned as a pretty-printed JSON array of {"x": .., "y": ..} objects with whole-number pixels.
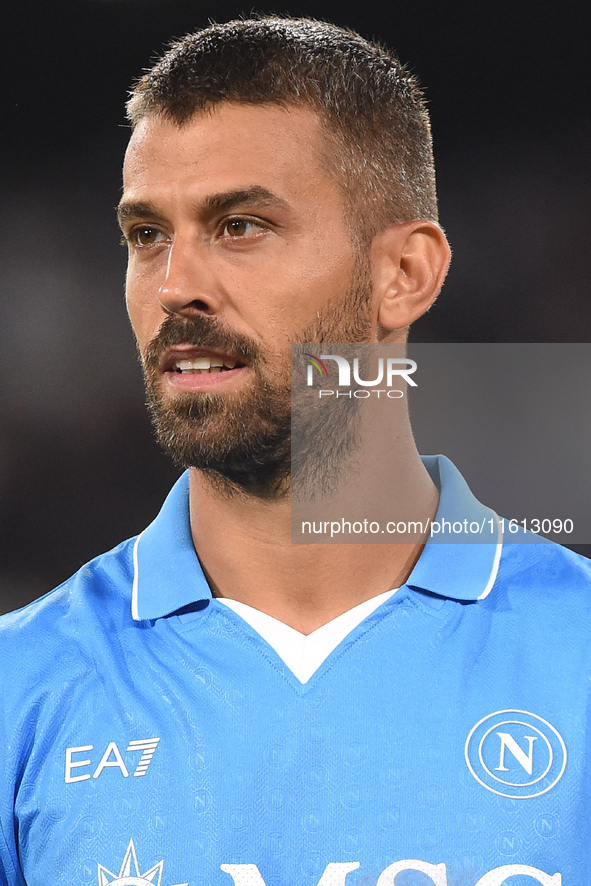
[{"x": 373, "y": 111}]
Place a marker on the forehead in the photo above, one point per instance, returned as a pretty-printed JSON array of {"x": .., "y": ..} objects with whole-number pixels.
[{"x": 231, "y": 146}]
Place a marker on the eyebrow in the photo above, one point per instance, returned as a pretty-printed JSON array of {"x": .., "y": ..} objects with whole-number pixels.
[
  {"x": 126, "y": 211},
  {"x": 225, "y": 201}
]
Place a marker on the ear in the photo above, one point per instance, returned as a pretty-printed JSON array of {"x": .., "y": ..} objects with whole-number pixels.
[{"x": 409, "y": 263}]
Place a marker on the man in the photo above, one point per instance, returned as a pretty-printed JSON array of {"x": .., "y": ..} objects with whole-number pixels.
[{"x": 210, "y": 703}]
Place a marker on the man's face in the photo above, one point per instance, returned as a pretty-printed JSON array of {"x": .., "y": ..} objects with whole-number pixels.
[{"x": 238, "y": 246}]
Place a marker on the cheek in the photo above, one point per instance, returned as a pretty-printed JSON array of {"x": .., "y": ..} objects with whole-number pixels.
[
  {"x": 144, "y": 312},
  {"x": 315, "y": 285}
]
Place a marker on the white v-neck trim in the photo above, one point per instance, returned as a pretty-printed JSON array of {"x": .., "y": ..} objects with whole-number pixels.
[{"x": 304, "y": 653}]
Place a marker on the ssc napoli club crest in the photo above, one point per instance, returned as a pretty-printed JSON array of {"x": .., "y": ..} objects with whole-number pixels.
[
  {"x": 515, "y": 754},
  {"x": 130, "y": 875}
]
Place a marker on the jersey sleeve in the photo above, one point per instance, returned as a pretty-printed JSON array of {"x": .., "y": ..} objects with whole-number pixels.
[{"x": 10, "y": 871}]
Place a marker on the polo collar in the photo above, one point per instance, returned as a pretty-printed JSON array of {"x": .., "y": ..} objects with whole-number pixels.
[
  {"x": 168, "y": 574},
  {"x": 467, "y": 568}
]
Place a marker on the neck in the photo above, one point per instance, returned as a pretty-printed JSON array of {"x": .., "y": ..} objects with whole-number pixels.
[{"x": 246, "y": 550}]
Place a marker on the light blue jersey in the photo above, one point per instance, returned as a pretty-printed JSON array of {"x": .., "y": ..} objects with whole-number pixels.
[{"x": 151, "y": 736}]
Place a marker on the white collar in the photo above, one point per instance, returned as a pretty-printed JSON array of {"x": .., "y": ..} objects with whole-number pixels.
[{"x": 304, "y": 653}]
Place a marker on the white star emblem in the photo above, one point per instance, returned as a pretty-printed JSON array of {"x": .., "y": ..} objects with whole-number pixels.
[{"x": 129, "y": 875}]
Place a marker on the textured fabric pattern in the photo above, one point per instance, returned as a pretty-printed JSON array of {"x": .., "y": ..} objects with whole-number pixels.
[{"x": 428, "y": 748}]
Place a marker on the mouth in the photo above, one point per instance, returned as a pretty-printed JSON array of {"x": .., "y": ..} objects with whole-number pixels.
[
  {"x": 182, "y": 366},
  {"x": 200, "y": 365}
]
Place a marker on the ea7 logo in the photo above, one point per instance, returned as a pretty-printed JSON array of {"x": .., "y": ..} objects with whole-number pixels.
[
  {"x": 112, "y": 758},
  {"x": 515, "y": 754}
]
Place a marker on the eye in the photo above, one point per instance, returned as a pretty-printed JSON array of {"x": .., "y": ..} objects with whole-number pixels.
[
  {"x": 238, "y": 228},
  {"x": 144, "y": 236}
]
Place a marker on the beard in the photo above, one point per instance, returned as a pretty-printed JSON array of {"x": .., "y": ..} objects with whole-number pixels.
[{"x": 242, "y": 440}]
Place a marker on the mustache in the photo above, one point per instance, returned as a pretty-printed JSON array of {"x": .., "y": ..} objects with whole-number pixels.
[{"x": 203, "y": 332}]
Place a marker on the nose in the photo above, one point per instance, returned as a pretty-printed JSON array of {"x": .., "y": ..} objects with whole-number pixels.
[{"x": 189, "y": 286}]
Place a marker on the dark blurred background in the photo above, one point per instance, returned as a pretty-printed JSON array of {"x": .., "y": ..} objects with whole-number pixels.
[{"x": 508, "y": 88}]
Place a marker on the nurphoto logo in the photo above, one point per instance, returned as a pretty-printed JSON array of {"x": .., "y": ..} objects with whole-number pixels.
[{"x": 387, "y": 371}]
